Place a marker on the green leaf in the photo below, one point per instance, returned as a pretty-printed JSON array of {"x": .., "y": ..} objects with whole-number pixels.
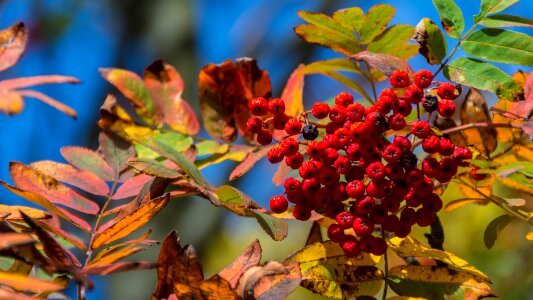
[
  {"x": 434, "y": 282},
  {"x": 451, "y": 17},
  {"x": 501, "y": 46},
  {"x": 484, "y": 76},
  {"x": 178, "y": 141},
  {"x": 432, "y": 42},
  {"x": 491, "y": 7},
  {"x": 335, "y": 64},
  {"x": 376, "y": 20},
  {"x": 89, "y": 160},
  {"x": 153, "y": 167},
  {"x": 276, "y": 228},
  {"x": 504, "y": 20},
  {"x": 392, "y": 41},
  {"x": 326, "y": 22},
  {"x": 327, "y": 38},
  {"x": 210, "y": 147},
  {"x": 235, "y": 200},
  {"x": 351, "y": 18},
  {"x": 116, "y": 151}
]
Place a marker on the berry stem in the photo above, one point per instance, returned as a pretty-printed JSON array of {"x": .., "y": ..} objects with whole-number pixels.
[
  {"x": 371, "y": 79},
  {"x": 522, "y": 215},
  {"x": 455, "y": 49},
  {"x": 386, "y": 267},
  {"x": 318, "y": 125}
]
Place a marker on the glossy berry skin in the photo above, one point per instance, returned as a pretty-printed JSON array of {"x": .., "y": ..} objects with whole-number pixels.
[
  {"x": 350, "y": 245},
  {"x": 376, "y": 171},
  {"x": 310, "y": 132},
  {"x": 447, "y": 91},
  {"x": 431, "y": 144},
  {"x": 423, "y": 78},
  {"x": 335, "y": 233},
  {"x": 355, "y": 112},
  {"x": 301, "y": 212},
  {"x": 447, "y": 147},
  {"x": 392, "y": 153},
  {"x": 295, "y": 161},
  {"x": 293, "y": 126},
  {"x": 430, "y": 103},
  {"x": 421, "y": 129},
  {"x": 355, "y": 189},
  {"x": 446, "y": 108},
  {"x": 362, "y": 226},
  {"x": 365, "y": 205},
  {"x": 276, "y": 106},
  {"x": 254, "y": 125},
  {"x": 413, "y": 94},
  {"x": 292, "y": 186},
  {"x": 344, "y": 99},
  {"x": 275, "y": 155},
  {"x": 258, "y": 106},
  {"x": 399, "y": 79},
  {"x": 278, "y": 204},
  {"x": 345, "y": 219},
  {"x": 397, "y": 122},
  {"x": 280, "y": 121},
  {"x": 289, "y": 146},
  {"x": 337, "y": 114},
  {"x": 264, "y": 137},
  {"x": 320, "y": 110}
]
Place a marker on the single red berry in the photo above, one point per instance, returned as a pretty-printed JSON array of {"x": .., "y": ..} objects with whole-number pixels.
[
  {"x": 322, "y": 198},
  {"x": 335, "y": 233},
  {"x": 308, "y": 169},
  {"x": 352, "y": 151},
  {"x": 424, "y": 188},
  {"x": 337, "y": 114},
  {"x": 392, "y": 154},
  {"x": 344, "y": 136},
  {"x": 412, "y": 199},
  {"x": 295, "y": 161},
  {"x": 389, "y": 93},
  {"x": 365, "y": 206},
  {"x": 399, "y": 79},
  {"x": 394, "y": 171},
  {"x": 448, "y": 166},
  {"x": 338, "y": 192},
  {"x": 402, "y": 142},
  {"x": 280, "y": 121},
  {"x": 379, "y": 214},
  {"x": 254, "y": 125},
  {"x": 391, "y": 203},
  {"x": 408, "y": 160},
  {"x": 421, "y": 129},
  {"x": 376, "y": 171},
  {"x": 475, "y": 175},
  {"x": 344, "y": 99},
  {"x": 446, "y": 108},
  {"x": 461, "y": 153},
  {"x": 301, "y": 212},
  {"x": 397, "y": 122},
  {"x": 293, "y": 126},
  {"x": 414, "y": 177},
  {"x": 355, "y": 173},
  {"x": 309, "y": 187},
  {"x": 447, "y": 91},
  {"x": 342, "y": 164},
  {"x": 431, "y": 144},
  {"x": 413, "y": 94},
  {"x": 258, "y": 106},
  {"x": 403, "y": 230},
  {"x": 424, "y": 217},
  {"x": 329, "y": 156},
  {"x": 278, "y": 204},
  {"x": 385, "y": 104},
  {"x": 332, "y": 141},
  {"x": 391, "y": 223},
  {"x": 276, "y": 106},
  {"x": 345, "y": 219},
  {"x": 362, "y": 226},
  {"x": 264, "y": 137},
  {"x": 408, "y": 216},
  {"x": 275, "y": 155},
  {"x": 350, "y": 245},
  {"x": 328, "y": 176},
  {"x": 355, "y": 112},
  {"x": 379, "y": 246},
  {"x": 320, "y": 110},
  {"x": 447, "y": 147},
  {"x": 433, "y": 202},
  {"x": 423, "y": 78},
  {"x": 315, "y": 148},
  {"x": 376, "y": 122},
  {"x": 292, "y": 186},
  {"x": 402, "y": 107},
  {"x": 430, "y": 166},
  {"x": 375, "y": 189},
  {"x": 355, "y": 189},
  {"x": 289, "y": 146}
]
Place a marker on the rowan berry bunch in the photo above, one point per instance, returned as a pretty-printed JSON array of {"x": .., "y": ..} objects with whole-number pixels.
[{"x": 349, "y": 169}]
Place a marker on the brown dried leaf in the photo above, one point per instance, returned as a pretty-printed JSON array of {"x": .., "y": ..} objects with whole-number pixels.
[
  {"x": 250, "y": 257},
  {"x": 271, "y": 281},
  {"x": 475, "y": 110}
]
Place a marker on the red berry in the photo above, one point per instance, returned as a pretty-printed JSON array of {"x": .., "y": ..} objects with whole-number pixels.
[
  {"x": 403, "y": 230},
  {"x": 385, "y": 104},
  {"x": 379, "y": 214},
  {"x": 280, "y": 121},
  {"x": 447, "y": 147},
  {"x": 392, "y": 154},
  {"x": 332, "y": 126},
  {"x": 342, "y": 164},
  {"x": 344, "y": 99},
  {"x": 376, "y": 122},
  {"x": 448, "y": 166},
  {"x": 276, "y": 106},
  {"x": 295, "y": 161},
  {"x": 308, "y": 169},
  {"x": 391, "y": 223},
  {"x": 275, "y": 155},
  {"x": 433, "y": 202},
  {"x": 447, "y": 91},
  {"x": 352, "y": 151},
  {"x": 391, "y": 203},
  {"x": 431, "y": 144},
  {"x": 430, "y": 166},
  {"x": 408, "y": 216},
  {"x": 278, "y": 204},
  {"x": 421, "y": 129},
  {"x": 402, "y": 107},
  {"x": 423, "y": 78},
  {"x": 335, "y": 233},
  {"x": 399, "y": 79},
  {"x": 397, "y": 122},
  {"x": 424, "y": 217},
  {"x": 289, "y": 146},
  {"x": 376, "y": 171},
  {"x": 379, "y": 246},
  {"x": 328, "y": 176},
  {"x": 402, "y": 142},
  {"x": 408, "y": 160},
  {"x": 362, "y": 226},
  {"x": 446, "y": 108},
  {"x": 264, "y": 137},
  {"x": 355, "y": 112},
  {"x": 413, "y": 94},
  {"x": 320, "y": 110},
  {"x": 258, "y": 106},
  {"x": 293, "y": 126},
  {"x": 329, "y": 156},
  {"x": 389, "y": 93},
  {"x": 355, "y": 189},
  {"x": 254, "y": 125},
  {"x": 345, "y": 219},
  {"x": 309, "y": 187},
  {"x": 301, "y": 212},
  {"x": 292, "y": 186},
  {"x": 315, "y": 148},
  {"x": 337, "y": 114},
  {"x": 322, "y": 198},
  {"x": 375, "y": 189},
  {"x": 461, "y": 153},
  {"x": 394, "y": 171},
  {"x": 365, "y": 205},
  {"x": 344, "y": 136},
  {"x": 350, "y": 245}
]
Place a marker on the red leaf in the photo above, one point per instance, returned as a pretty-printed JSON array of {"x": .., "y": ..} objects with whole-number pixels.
[
  {"x": 224, "y": 91},
  {"x": 292, "y": 95},
  {"x": 29, "y": 179},
  {"x": 23, "y": 82},
  {"x": 384, "y": 62},
  {"x": 167, "y": 256},
  {"x": 251, "y": 159},
  {"x": 132, "y": 186},
  {"x": 89, "y": 160},
  {"x": 166, "y": 86},
  {"x": 82, "y": 179},
  {"x": 12, "y": 44},
  {"x": 250, "y": 257}
]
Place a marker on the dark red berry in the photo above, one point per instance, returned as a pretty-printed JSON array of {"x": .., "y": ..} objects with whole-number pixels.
[
  {"x": 345, "y": 219},
  {"x": 397, "y": 122},
  {"x": 335, "y": 233},
  {"x": 447, "y": 147},
  {"x": 292, "y": 186},
  {"x": 264, "y": 137},
  {"x": 392, "y": 153},
  {"x": 301, "y": 212},
  {"x": 280, "y": 121},
  {"x": 431, "y": 144},
  {"x": 295, "y": 161},
  {"x": 376, "y": 171},
  {"x": 258, "y": 106},
  {"x": 276, "y": 106},
  {"x": 254, "y": 125},
  {"x": 421, "y": 129},
  {"x": 362, "y": 226},
  {"x": 278, "y": 204},
  {"x": 275, "y": 155}
]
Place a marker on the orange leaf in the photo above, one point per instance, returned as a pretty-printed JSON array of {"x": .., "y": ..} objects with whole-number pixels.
[
  {"x": 474, "y": 110},
  {"x": 167, "y": 257},
  {"x": 24, "y": 283},
  {"x": 132, "y": 186},
  {"x": 452, "y": 205},
  {"x": 23, "y": 82},
  {"x": 217, "y": 288},
  {"x": 31, "y": 180},
  {"x": 118, "y": 267},
  {"x": 292, "y": 94},
  {"x": 6, "y": 294},
  {"x": 50, "y": 101},
  {"x": 82, "y": 179},
  {"x": 50, "y": 226},
  {"x": 166, "y": 87},
  {"x": 89, "y": 160},
  {"x": 12, "y": 212},
  {"x": 250, "y": 257},
  {"x": 11, "y": 102},
  {"x": 118, "y": 229},
  {"x": 12, "y": 44},
  {"x": 113, "y": 257},
  {"x": 251, "y": 159},
  {"x": 10, "y": 239}
]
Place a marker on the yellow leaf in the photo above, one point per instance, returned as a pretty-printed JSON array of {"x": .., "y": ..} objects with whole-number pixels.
[
  {"x": 24, "y": 283},
  {"x": 411, "y": 247},
  {"x": 115, "y": 256},
  {"x": 405, "y": 298},
  {"x": 529, "y": 236},
  {"x": 12, "y": 212},
  {"x": 453, "y": 205},
  {"x": 129, "y": 223}
]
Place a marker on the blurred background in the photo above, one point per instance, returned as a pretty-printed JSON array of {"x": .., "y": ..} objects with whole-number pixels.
[{"x": 77, "y": 37}]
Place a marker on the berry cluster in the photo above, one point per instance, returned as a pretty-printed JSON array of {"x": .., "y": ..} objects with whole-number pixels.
[{"x": 356, "y": 175}]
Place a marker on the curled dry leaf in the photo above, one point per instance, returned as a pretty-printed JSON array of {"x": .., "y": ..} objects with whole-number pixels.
[
  {"x": 12, "y": 44},
  {"x": 474, "y": 110},
  {"x": 432, "y": 43},
  {"x": 271, "y": 281},
  {"x": 385, "y": 63},
  {"x": 250, "y": 257}
]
